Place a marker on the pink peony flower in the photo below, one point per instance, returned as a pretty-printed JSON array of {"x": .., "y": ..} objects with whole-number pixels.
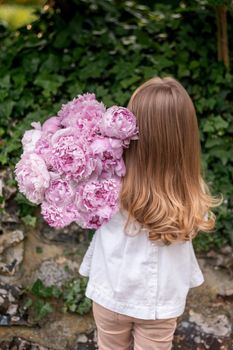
[
  {"x": 36, "y": 125},
  {"x": 108, "y": 156},
  {"x": 30, "y": 139},
  {"x": 51, "y": 125},
  {"x": 97, "y": 201},
  {"x": 57, "y": 216},
  {"x": 43, "y": 145},
  {"x": 32, "y": 177},
  {"x": 60, "y": 191},
  {"x": 70, "y": 155},
  {"x": 43, "y": 148},
  {"x": 95, "y": 194},
  {"x": 94, "y": 220},
  {"x": 84, "y": 113},
  {"x": 119, "y": 122}
]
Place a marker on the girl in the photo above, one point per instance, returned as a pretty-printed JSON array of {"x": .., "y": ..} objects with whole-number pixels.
[{"x": 141, "y": 264}]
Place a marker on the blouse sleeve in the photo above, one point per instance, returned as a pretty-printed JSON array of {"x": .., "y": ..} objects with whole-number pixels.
[
  {"x": 196, "y": 278},
  {"x": 84, "y": 268}
]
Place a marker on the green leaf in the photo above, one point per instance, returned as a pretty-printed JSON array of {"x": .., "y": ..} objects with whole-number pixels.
[
  {"x": 6, "y": 109},
  {"x": 37, "y": 287},
  {"x": 49, "y": 83},
  {"x": 84, "y": 306},
  {"x": 56, "y": 292},
  {"x": 28, "y": 303},
  {"x": 21, "y": 199},
  {"x": 212, "y": 142},
  {"x": 220, "y": 123},
  {"x": 40, "y": 290},
  {"x": 39, "y": 250},
  {"x": 42, "y": 309},
  {"x": 29, "y": 220},
  {"x": 128, "y": 82},
  {"x": 72, "y": 307},
  {"x": 222, "y": 154},
  {"x": 5, "y": 82}
]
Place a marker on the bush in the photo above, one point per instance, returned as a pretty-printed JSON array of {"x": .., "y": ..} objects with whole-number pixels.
[{"x": 110, "y": 47}]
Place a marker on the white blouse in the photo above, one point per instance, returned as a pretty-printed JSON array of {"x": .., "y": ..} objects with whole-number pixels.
[{"x": 133, "y": 276}]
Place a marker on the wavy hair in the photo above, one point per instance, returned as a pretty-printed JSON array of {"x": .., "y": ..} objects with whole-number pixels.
[{"x": 163, "y": 189}]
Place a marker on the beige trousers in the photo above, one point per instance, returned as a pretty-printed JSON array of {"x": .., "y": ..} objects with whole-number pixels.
[{"x": 121, "y": 332}]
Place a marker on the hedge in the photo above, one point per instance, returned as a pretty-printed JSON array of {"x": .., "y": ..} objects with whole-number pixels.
[{"x": 109, "y": 48}]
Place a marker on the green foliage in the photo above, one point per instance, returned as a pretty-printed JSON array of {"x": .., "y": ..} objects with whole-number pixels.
[
  {"x": 74, "y": 299},
  {"x": 110, "y": 47},
  {"x": 40, "y": 290},
  {"x": 71, "y": 295},
  {"x": 39, "y": 250},
  {"x": 29, "y": 220},
  {"x": 42, "y": 309},
  {"x": 26, "y": 210}
]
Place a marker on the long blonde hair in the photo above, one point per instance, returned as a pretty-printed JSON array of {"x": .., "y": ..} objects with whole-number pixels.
[{"x": 163, "y": 189}]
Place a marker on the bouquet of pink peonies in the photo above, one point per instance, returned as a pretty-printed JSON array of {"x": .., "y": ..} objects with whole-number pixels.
[{"x": 72, "y": 164}]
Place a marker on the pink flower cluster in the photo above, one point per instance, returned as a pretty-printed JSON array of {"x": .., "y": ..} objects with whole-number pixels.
[{"x": 72, "y": 164}]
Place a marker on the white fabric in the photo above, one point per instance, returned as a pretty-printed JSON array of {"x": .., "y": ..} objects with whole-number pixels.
[{"x": 133, "y": 276}]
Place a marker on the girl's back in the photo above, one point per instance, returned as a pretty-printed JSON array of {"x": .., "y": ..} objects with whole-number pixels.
[
  {"x": 141, "y": 264},
  {"x": 137, "y": 277}
]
